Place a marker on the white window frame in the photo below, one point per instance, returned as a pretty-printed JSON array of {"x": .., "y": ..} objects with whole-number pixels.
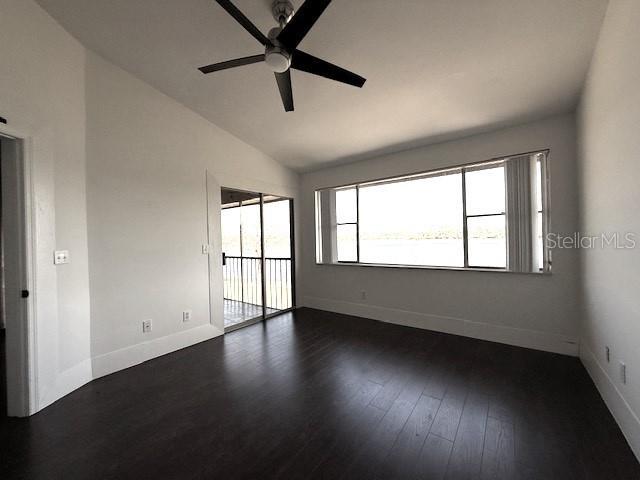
[{"x": 325, "y": 236}]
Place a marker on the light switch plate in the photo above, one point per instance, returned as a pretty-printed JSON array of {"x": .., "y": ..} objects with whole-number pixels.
[
  {"x": 60, "y": 257},
  {"x": 146, "y": 326}
]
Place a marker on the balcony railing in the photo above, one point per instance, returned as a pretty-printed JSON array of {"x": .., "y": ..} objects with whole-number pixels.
[{"x": 243, "y": 281}]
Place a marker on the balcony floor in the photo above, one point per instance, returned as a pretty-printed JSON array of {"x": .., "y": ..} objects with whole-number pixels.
[{"x": 236, "y": 312}]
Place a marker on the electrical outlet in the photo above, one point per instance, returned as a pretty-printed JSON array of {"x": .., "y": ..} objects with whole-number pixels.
[
  {"x": 60, "y": 257},
  {"x": 186, "y": 316},
  {"x": 363, "y": 295},
  {"x": 623, "y": 373},
  {"x": 146, "y": 326},
  {"x": 607, "y": 353},
  {"x": 205, "y": 249}
]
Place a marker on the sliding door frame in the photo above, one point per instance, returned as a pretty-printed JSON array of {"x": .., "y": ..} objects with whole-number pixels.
[
  {"x": 292, "y": 246},
  {"x": 263, "y": 260}
]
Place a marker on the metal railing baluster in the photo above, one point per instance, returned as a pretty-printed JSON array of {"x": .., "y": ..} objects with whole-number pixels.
[{"x": 244, "y": 274}]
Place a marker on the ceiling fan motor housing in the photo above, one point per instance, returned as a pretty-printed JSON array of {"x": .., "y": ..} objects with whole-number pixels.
[{"x": 276, "y": 56}]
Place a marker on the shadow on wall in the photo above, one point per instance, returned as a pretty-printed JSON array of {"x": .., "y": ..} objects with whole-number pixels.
[{"x": 432, "y": 140}]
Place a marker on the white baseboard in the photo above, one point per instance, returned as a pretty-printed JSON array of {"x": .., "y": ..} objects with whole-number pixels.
[
  {"x": 621, "y": 410},
  {"x": 135, "y": 354},
  {"x": 90, "y": 369},
  {"x": 548, "y": 342},
  {"x": 66, "y": 382}
]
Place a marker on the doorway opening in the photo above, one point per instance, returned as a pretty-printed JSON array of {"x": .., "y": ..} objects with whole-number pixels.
[
  {"x": 257, "y": 257},
  {"x": 3, "y": 326},
  {"x": 15, "y": 368}
]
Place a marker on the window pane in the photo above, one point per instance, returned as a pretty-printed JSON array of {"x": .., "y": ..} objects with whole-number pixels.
[
  {"x": 414, "y": 222},
  {"x": 230, "y": 223},
  {"x": 347, "y": 243},
  {"x": 251, "y": 238},
  {"x": 485, "y": 191},
  {"x": 538, "y": 184},
  {"x": 277, "y": 230},
  {"x": 487, "y": 245},
  {"x": 538, "y": 237},
  {"x": 346, "y": 206}
]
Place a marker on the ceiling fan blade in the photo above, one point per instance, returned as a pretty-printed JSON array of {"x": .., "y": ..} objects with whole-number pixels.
[
  {"x": 244, "y": 21},
  {"x": 310, "y": 64},
  {"x": 286, "y": 92},
  {"x": 238, "y": 62},
  {"x": 302, "y": 22}
]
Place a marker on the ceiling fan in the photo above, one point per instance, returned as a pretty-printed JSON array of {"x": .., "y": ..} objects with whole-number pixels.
[{"x": 281, "y": 52}]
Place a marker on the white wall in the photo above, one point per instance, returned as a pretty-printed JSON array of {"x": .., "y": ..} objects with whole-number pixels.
[
  {"x": 610, "y": 168},
  {"x": 118, "y": 179},
  {"x": 146, "y": 161},
  {"x": 42, "y": 96},
  {"x": 538, "y": 311}
]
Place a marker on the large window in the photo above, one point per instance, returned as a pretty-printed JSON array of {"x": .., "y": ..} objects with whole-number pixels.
[{"x": 489, "y": 215}]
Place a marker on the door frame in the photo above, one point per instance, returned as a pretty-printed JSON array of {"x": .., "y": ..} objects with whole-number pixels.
[{"x": 20, "y": 273}]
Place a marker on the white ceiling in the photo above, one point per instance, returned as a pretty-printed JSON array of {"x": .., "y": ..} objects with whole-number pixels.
[{"x": 436, "y": 69}]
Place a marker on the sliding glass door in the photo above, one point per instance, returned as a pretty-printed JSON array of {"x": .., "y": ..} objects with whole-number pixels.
[
  {"x": 257, "y": 256},
  {"x": 278, "y": 261},
  {"x": 241, "y": 257}
]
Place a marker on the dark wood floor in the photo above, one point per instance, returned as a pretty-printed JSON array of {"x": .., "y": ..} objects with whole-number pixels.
[
  {"x": 320, "y": 395},
  {"x": 3, "y": 375}
]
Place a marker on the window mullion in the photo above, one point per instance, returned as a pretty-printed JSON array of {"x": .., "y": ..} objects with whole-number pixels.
[
  {"x": 357, "y": 223},
  {"x": 465, "y": 231}
]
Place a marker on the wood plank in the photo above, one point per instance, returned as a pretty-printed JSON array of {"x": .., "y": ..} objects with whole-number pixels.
[
  {"x": 402, "y": 461},
  {"x": 434, "y": 458},
  {"x": 447, "y": 420},
  {"x": 379, "y": 445},
  {"x": 498, "y": 458},
  {"x": 466, "y": 457}
]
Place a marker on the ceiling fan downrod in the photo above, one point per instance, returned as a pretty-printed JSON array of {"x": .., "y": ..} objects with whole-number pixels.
[
  {"x": 276, "y": 56},
  {"x": 282, "y": 11}
]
